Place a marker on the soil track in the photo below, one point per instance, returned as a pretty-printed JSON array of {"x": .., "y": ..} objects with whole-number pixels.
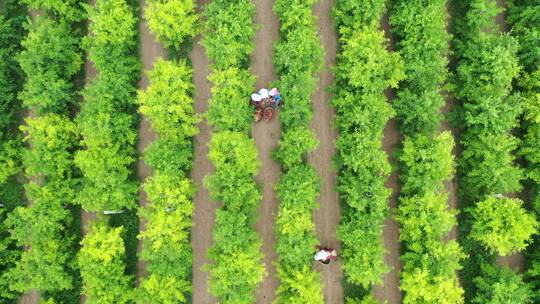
[
  {"x": 266, "y": 137},
  {"x": 204, "y": 213},
  {"x": 150, "y": 49},
  {"x": 390, "y": 291},
  {"x": 514, "y": 261},
  {"x": 328, "y": 215}
]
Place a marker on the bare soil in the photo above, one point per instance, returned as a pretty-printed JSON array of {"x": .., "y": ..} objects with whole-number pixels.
[
  {"x": 327, "y": 217},
  {"x": 90, "y": 73},
  {"x": 266, "y": 136},
  {"x": 150, "y": 49},
  {"x": 389, "y": 290},
  {"x": 515, "y": 261},
  {"x": 204, "y": 214}
]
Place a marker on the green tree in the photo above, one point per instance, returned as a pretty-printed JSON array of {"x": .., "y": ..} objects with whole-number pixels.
[
  {"x": 501, "y": 286},
  {"x": 102, "y": 268},
  {"x": 502, "y": 225},
  {"x": 171, "y": 21}
]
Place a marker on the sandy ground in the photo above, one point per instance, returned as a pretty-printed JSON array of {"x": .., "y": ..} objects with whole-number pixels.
[
  {"x": 205, "y": 209},
  {"x": 327, "y": 217},
  {"x": 149, "y": 50},
  {"x": 389, "y": 290},
  {"x": 266, "y": 136}
]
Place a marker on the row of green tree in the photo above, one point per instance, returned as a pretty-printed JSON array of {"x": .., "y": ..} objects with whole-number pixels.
[
  {"x": 12, "y": 31},
  {"x": 491, "y": 223},
  {"x": 298, "y": 57},
  {"x": 51, "y": 59},
  {"x": 107, "y": 124},
  {"x": 364, "y": 70},
  {"x": 236, "y": 268},
  {"x": 524, "y": 19},
  {"x": 168, "y": 104},
  {"x": 430, "y": 263}
]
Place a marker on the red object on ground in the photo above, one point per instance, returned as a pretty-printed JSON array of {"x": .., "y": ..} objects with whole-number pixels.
[
  {"x": 268, "y": 114},
  {"x": 258, "y": 115}
]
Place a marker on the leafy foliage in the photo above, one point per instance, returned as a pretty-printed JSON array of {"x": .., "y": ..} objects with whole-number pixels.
[
  {"x": 102, "y": 267},
  {"x": 172, "y": 21},
  {"x": 42, "y": 226},
  {"x": 365, "y": 69},
  {"x": 236, "y": 269},
  {"x": 421, "y": 27},
  {"x": 502, "y": 225},
  {"x": 69, "y": 10},
  {"x": 12, "y": 16},
  {"x": 228, "y": 32},
  {"x": 167, "y": 103},
  {"x": 524, "y": 18},
  {"x": 487, "y": 66},
  {"x": 498, "y": 286},
  {"x": 229, "y": 108},
  {"x": 298, "y": 57},
  {"x": 50, "y": 59},
  {"x": 105, "y": 121}
]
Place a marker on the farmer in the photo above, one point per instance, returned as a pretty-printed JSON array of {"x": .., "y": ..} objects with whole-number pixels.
[
  {"x": 258, "y": 103},
  {"x": 275, "y": 97},
  {"x": 325, "y": 255}
]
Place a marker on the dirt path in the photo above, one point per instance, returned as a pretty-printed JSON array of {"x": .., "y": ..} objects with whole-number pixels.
[
  {"x": 266, "y": 136},
  {"x": 204, "y": 214},
  {"x": 149, "y": 50},
  {"x": 389, "y": 291},
  {"x": 328, "y": 215},
  {"x": 90, "y": 73},
  {"x": 515, "y": 261}
]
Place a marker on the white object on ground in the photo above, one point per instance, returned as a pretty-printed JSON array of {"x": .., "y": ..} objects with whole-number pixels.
[
  {"x": 256, "y": 97},
  {"x": 323, "y": 255},
  {"x": 106, "y": 212},
  {"x": 264, "y": 93}
]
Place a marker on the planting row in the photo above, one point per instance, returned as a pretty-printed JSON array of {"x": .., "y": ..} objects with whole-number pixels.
[
  {"x": 524, "y": 18},
  {"x": 108, "y": 127},
  {"x": 429, "y": 264},
  {"x": 12, "y": 16},
  {"x": 236, "y": 269},
  {"x": 50, "y": 60},
  {"x": 298, "y": 56},
  {"x": 492, "y": 223},
  {"x": 364, "y": 70},
  {"x": 167, "y": 103}
]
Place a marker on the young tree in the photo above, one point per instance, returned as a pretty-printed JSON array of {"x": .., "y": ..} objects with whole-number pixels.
[{"x": 502, "y": 225}]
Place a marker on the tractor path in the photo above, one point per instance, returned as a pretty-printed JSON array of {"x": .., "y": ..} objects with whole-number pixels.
[
  {"x": 90, "y": 73},
  {"x": 204, "y": 213},
  {"x": 389, "y": 290},
  {"x": 150, "y": 49},
  {"x": 266, "y": 137},
  {"x": 514, "y": 261},
  {"x": 327, "y": 217},
  {"x": 32, "y": 297}
]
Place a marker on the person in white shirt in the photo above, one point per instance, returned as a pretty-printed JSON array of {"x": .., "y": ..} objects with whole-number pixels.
[{"x": 325, "y": 255}]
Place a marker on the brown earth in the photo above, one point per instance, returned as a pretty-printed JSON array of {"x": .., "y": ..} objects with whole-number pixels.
[
  {"x": 150, "y": 49},
  {"x": 389, "y": 290},
  {"x": 266, "y": 136},
  {"x": 32, "y": 297},
  {"x": 204, "y": 207},
  {"x": 327, "y": 217},
  {"x": 514, "y": 261}
]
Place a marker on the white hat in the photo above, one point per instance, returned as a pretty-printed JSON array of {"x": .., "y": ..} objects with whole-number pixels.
[
  {"x": 264, "y": 93},
  {"x": 256, "y": 97}
]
